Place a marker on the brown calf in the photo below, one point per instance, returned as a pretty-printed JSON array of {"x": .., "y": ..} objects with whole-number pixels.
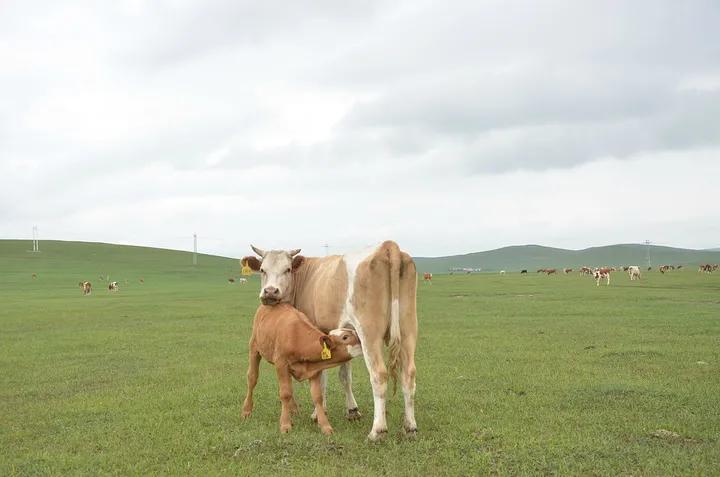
[{"x": 284, "y": 336}]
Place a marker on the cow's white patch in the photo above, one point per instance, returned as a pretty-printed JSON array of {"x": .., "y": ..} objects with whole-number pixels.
[{"x": 355, "y": 351}]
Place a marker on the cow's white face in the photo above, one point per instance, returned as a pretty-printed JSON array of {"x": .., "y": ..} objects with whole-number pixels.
[{"x": 276, "y": 275}]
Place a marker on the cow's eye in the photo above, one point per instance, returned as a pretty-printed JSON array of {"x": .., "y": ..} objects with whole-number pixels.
[
  {"x": 287, "y": 271},
  {"x": 345, "y": 338},
  {"x": 262, "y": 270}
]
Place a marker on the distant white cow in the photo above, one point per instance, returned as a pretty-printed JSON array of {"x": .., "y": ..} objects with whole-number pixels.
[
  {"x": 242, "y": 281},
  {"x": 502, "y": 272},
  {"x": 113, "y": 286},
  {"x": 634, "y": 272}
]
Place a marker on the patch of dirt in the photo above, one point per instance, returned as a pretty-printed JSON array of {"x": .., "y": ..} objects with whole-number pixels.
[
  {"x": 632, "y": 354},
  {"x": 670, "y": 436}
]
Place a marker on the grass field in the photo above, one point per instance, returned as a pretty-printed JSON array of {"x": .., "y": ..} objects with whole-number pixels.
[{"x": 517, "y": 375}]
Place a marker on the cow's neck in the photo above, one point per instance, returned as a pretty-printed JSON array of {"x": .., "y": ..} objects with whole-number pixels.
[{"x": 302, "y": 276}]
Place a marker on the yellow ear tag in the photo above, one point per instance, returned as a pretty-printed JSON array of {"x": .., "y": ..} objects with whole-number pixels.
[
  {"x": 246, "y": 270},
  {"x": 325, "y": 352}
]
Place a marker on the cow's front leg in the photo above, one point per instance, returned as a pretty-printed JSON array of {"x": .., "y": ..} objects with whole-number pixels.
[
  {"x": 323, "y": 385},
  {"x": 345, "y": 374}
]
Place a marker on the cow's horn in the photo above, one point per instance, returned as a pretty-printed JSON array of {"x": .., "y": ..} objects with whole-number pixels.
[
  {"x": 259, "y": 251},
  {"x": 294, "y": 252}
]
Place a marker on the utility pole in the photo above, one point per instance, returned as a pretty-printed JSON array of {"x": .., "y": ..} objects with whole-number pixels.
[
  {"x": 326, "y": 247},
  {"x": 195, "y": 249},
  {"x": 647, "y": 249},
  {"x": 36, "y": 241}
]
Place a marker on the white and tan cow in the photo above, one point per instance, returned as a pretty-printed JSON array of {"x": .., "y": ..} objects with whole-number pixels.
[
  {"x": 634, "y": 272},
  {"x": 113, "y": 286},
  {"x": 372, "y": 292}
]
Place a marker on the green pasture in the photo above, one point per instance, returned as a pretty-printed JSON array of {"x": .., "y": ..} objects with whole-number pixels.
[{"x": 517, "y": 375}]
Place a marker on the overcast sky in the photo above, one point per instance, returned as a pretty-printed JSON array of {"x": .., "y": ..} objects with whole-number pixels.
[{"x": 450, "y": 127}]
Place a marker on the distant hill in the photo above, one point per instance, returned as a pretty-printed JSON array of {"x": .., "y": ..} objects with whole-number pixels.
[
  {"x": 89, "y": 260},
  {"x": 532, "y": 257}
]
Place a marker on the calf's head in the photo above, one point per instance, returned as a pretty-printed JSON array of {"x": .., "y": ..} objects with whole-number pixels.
[
  {"x": 276, "y": 267},
  {"x": 343, "y": 339}
]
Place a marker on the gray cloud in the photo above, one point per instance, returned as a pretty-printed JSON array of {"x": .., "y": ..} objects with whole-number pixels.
[{"x": 371, "y": 119}]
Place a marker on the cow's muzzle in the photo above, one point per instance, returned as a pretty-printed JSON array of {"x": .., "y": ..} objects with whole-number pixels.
[{"x": 270, "y": 296}]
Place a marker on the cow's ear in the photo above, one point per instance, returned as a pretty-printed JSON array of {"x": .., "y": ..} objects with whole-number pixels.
[
  {"x": 327, "y": 341},
  {"x": 297, "y": 262},
  {"x": 251, "y": 262}
]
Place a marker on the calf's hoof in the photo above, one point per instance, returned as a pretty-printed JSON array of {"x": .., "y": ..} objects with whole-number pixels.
[
  {"x": 353, "y": 414},
  {"x": 245, "y": 414},
  {"x": 285, "y": 428},
  {"x": 376, "y": 436},
  {"x": 327, "y": 430}
]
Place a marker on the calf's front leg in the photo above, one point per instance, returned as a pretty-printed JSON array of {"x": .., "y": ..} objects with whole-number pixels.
[
  {"x": 286, "y": 396},
  {"x": 252, "y": 377}
]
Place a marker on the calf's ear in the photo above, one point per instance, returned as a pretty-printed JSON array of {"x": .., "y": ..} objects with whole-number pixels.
[
  {"x": 327, "y": 341},
  {"x": 297, "y": 261},
  {"x": 251, "y": 262}
]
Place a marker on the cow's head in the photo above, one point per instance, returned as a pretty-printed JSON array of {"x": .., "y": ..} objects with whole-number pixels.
[{"x": 276, "y": 267}]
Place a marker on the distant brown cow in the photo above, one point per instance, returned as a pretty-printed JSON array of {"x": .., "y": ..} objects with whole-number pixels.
[
  {"x": 550, "y": 271},
  {"x": 34, "y": 276},
  {"x": 231, "y": 280},
  {"x": 567, "y": 270},
  {"x": 586, "y": 271},
  {"x": 601, "y": 273},
  {"x": 284, "y": 336},
  {"x": 86, "y": 288},
  {"x": 427, "y": 276}
]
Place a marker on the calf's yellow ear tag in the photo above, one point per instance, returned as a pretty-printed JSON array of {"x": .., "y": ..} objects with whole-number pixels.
[
  {"x": 246, "y": 270},
  {"x": 325, "y": 354}
]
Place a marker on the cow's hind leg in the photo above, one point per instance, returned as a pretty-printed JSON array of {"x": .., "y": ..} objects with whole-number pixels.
[
  {"x": 372, "y": 350},
  {"x": 252, "y": 377},
  {"x": 345, "y": 374}
]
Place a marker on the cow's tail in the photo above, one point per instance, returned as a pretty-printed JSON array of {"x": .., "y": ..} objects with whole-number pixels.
[{"x": 394, "y": 341}]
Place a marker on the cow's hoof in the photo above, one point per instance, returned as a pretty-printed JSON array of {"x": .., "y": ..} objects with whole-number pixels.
[
  {"x": 411, "y": 433},
  {"x": 285, "y": 428},
  {"x": 376, "y": 436},
  {"x": 353, "y": 414},
  {"x": 245, "y": 414},
  {"x": 327, "y": 430},
  {"x": 313, "y": 416}
]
